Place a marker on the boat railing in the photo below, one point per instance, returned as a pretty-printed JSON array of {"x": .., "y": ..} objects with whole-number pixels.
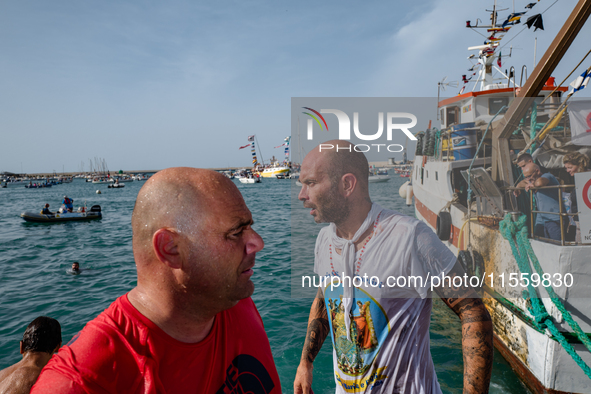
[{"x": 563, "y": 216}]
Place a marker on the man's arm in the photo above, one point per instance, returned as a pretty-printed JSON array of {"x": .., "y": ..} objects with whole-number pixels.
[
  {"x": 317, "y": 332},
  {"x": 477, "y": 334}
]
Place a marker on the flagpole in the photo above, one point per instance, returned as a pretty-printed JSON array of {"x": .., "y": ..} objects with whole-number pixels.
[{"x": 262, "y": 160}]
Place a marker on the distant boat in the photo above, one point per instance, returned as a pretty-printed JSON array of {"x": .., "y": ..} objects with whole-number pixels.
[
  {"x": 92, "y": 214},
  {"x": 116, "y": 185},
  {"x": 379, "y": 176},
  {"x": 255, "y": 179}
]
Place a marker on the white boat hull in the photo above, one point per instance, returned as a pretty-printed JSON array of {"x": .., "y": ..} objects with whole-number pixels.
[{"x": 539, "y": 360}]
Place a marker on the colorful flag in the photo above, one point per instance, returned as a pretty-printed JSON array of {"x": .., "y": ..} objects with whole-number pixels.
[
  {"x": 462, "y": 90},
  {"x": 251, "y": 138},
  {"x": 582, "y": 81},
  {"x": 499, "y": 59},
  {"x": 245, "y": 146}
]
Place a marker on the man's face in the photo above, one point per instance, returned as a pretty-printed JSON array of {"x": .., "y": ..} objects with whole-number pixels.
[
  {"x": 75, "y": 267},
  {"x": 531, "y": 172},
  {"x": 319, "y": 192},
  {"x": 524, "y": 163},
  {"x": 221, "y": 254}
]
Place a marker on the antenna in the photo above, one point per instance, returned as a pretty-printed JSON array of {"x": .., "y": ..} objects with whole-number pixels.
[{"x": 442, "y": 85}]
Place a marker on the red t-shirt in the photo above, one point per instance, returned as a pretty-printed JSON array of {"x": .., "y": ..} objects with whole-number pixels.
[{"x": 122, "y": 351}]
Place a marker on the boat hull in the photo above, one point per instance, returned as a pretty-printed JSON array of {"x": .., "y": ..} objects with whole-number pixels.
[
  {"x": 539, "y": 360},
  {"x": 57, "y": 218}
]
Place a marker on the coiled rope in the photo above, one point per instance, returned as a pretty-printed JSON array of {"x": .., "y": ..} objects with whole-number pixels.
[{"x": 516, "y": 233}]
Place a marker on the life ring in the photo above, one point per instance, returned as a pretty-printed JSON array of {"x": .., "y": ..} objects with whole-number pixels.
[{"x": 443, "y": 228}]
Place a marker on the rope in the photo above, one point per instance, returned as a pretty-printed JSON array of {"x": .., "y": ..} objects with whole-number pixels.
[{"x": 523, "y": 253}]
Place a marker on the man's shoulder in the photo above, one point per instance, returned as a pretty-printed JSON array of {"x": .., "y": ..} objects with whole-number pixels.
[
  {"x": 550, "y": 177},
  {"x": 112, "y": 338},
  {"x": 20, "y": 380}
]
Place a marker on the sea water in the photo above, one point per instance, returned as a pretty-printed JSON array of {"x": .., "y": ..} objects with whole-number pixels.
[{"x": 35, "y": 260}]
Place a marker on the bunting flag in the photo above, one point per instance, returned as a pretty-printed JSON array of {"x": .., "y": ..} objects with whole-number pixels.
[
  {"x": 284, "y": 144},
  {"x": 245, "y": 146},
  {"x": 462, "y": 90},
  {"x": 252, "y": 150},
  {"x": 499, "y": 59},
  {"x": 581, "y": 82},
  {"x": 530, "y": 6},
  {"x": 536, "y": 21}
]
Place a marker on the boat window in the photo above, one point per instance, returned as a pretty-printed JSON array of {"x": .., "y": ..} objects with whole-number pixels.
[
  {"x": 436, "y": 176},
  {"x": 453, "y": 116},
  {"x": 427, "y": 174},
  {"x": 496, "y": 103}
]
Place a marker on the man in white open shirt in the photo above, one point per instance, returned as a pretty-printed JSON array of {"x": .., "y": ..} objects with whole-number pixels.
[{"x": 379, "y": 324}]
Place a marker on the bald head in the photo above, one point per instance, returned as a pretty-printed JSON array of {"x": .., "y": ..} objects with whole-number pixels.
[
  {"x": 337, "y": 158},
  {"x": 178, "y": 199}
]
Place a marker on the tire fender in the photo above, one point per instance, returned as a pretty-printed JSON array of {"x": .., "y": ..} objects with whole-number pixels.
[{"x": 443, "y": 228}]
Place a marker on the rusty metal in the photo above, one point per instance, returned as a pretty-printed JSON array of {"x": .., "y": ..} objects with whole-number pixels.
[{"x": 489, "y": 221}]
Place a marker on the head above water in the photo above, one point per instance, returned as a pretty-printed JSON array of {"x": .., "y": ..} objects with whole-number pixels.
[
  {"x": 44, "y": 334},
  {"x": 75, "y": 266},
  {"x": 335, "y": 181},
  {"x": 192, "y": 237}
]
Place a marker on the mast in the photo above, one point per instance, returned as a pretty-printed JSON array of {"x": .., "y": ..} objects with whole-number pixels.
[{"x": 501, "y": 162}]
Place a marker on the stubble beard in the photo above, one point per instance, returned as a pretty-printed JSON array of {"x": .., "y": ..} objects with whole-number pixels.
[{"x": 332, "y": 208}]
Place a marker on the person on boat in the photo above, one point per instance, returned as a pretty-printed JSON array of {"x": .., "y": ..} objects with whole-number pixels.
[
  {"x": 41, "y": 339},
  {"x": 547, "y": 224},
  {"x": 46, "y": 210},
  {"x": 189, "y": 324},
  {"x": 68, "y": 203},
  {"x": 575, "y": 162},
  {"x": 366, "y": 241}
]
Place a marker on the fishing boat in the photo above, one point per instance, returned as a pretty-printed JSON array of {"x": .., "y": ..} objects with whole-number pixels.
[
  {"x": 274, "y": 170},
  {"x": 463, "y": 181},
  {"x": 38, "y": 185},
  {"x": 80, "y": 215}
]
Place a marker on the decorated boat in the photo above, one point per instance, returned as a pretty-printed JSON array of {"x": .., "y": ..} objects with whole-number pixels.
[{"x": 465, "y": 180}]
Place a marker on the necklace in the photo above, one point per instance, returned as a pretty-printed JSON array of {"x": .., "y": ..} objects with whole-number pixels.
[{"x": 358, "y": 264}]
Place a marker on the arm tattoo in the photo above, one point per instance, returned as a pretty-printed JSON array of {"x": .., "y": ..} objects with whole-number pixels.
[
  {"x": 317, "y": 329},
  {"x": 477, "y": 337}
]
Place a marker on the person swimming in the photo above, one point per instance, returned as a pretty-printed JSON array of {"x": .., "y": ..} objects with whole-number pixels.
[{"x": 75, "y": 270}]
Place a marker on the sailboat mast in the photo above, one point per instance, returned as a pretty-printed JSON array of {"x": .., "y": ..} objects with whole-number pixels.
[{"x": 257, "y": 140}]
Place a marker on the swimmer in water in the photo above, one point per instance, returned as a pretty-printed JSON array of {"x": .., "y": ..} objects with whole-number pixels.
[{"x": 75, "y": 268}]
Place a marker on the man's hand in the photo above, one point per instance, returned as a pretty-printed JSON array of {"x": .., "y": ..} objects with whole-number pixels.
[
  {"x": 303, "y": 380},
  {"x": 477, "y": 333}
]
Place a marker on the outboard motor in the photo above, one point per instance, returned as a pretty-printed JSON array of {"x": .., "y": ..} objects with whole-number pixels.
[{"x": 95, "y": 208}]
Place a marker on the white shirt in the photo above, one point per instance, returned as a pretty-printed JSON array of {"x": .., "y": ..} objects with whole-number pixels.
[{"x": 389, "y": 351}]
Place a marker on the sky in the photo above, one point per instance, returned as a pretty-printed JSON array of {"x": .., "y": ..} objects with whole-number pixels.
[{"x": 147, "y": 85}]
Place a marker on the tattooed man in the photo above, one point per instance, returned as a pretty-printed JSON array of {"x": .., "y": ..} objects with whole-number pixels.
[{"x": 376, "y": 303}]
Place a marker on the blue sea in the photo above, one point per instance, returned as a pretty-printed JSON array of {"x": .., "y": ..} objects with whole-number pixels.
[{"x": 35, "y": 259}]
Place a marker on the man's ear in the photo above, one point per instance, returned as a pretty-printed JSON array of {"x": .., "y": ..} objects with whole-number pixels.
[
  {"x": 166, "y": 248},
  {"x": 21, "y": 347},
  {"x": 57, "y": 347},
  {"x": 349, "y": 182}
]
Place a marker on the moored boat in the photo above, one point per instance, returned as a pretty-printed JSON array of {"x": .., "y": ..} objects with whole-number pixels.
[{"x": 463, "y": 180}]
